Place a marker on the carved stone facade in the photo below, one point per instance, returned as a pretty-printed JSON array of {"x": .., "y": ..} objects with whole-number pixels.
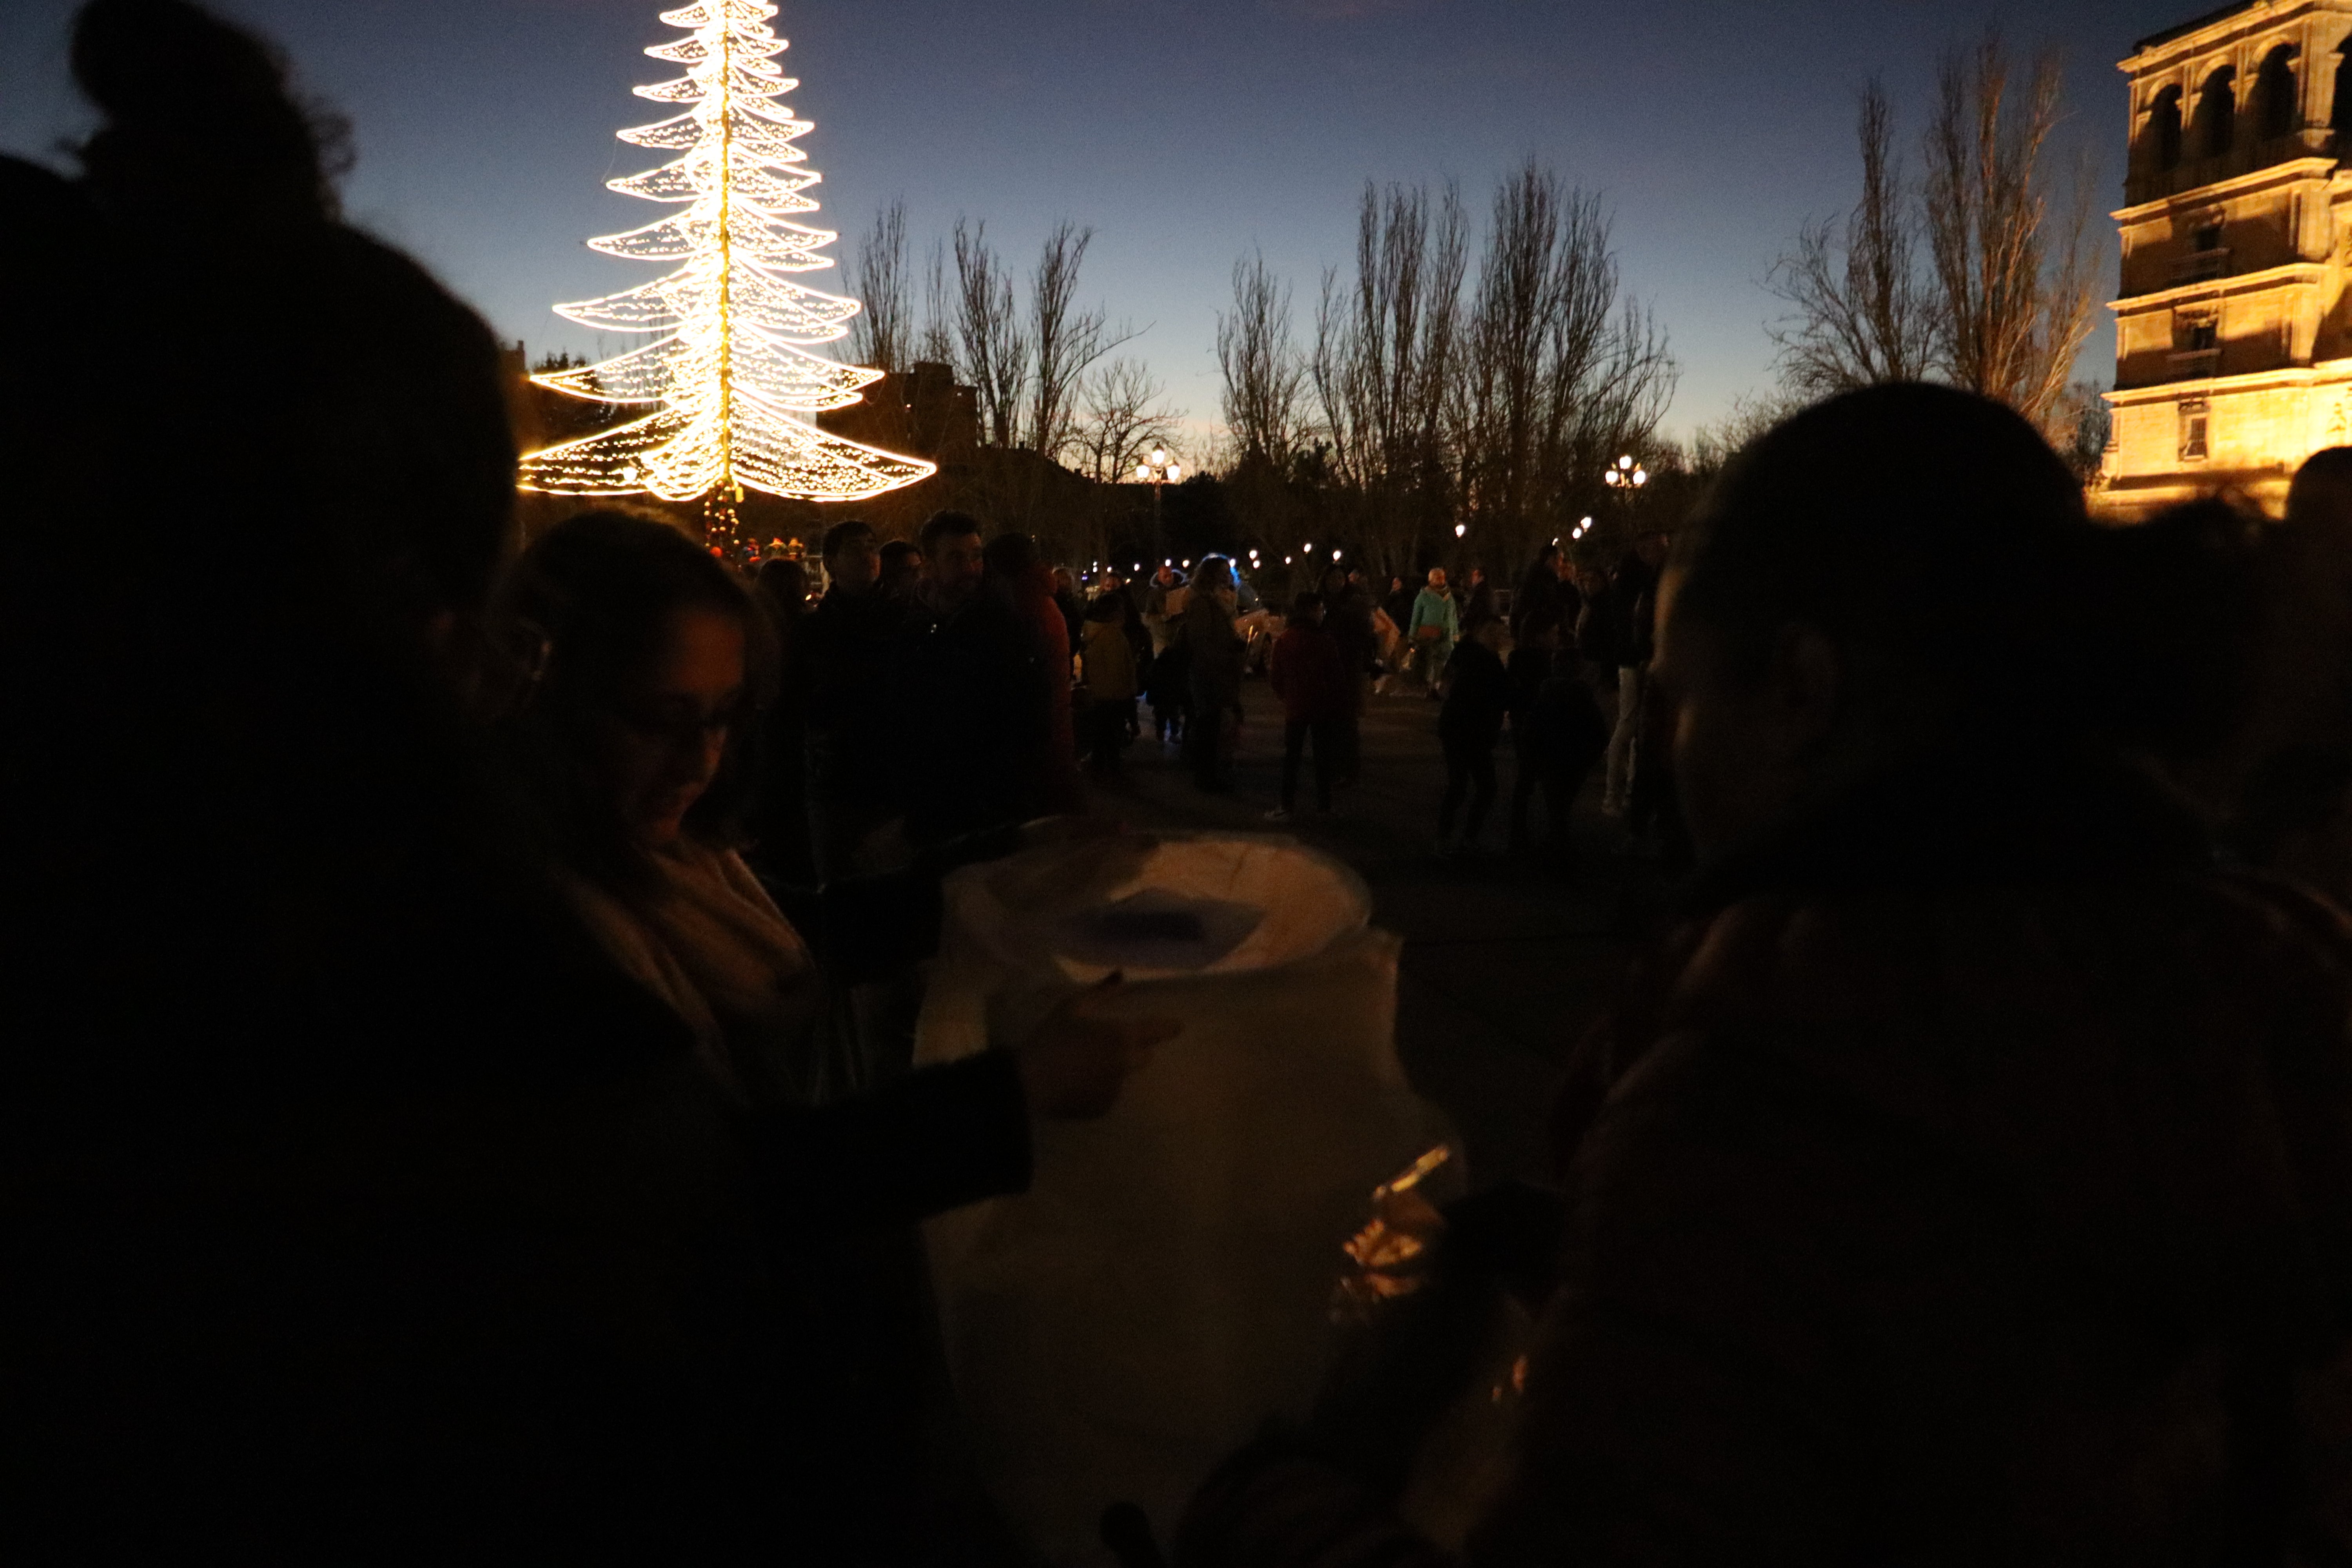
[{"x": 2234, "y": 333}]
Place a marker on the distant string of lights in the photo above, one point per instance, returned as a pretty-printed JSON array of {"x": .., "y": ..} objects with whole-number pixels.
[{"x": 732, "y": 380}]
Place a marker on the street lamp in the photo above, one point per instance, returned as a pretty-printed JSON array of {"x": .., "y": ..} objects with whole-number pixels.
[
  {"x": 1159, "y": 473},
  {"x": 1623, "y": 475}
]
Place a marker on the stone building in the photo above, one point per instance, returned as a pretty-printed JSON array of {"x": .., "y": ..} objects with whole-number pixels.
[{"x": 2233, "y": 331}]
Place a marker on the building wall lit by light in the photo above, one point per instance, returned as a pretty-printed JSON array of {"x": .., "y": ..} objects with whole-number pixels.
[{"x": 2234, "y": 338}]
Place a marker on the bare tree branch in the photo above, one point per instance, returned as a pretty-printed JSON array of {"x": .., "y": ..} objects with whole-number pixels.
[
  {"x": 995, "y": 350},
  {"x": 1124, "y": 417},
  {"x": 1862, "y": 314},
  {"x": 2012, "y": 316},
  {"x": 1265, "y": 380},
  {"x": 1065, "y": 340},
  {"x": 882, "y": 333}
]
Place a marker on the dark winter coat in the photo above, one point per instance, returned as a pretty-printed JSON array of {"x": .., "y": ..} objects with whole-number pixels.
[
  {"x": 854, "y": 643},
  {"x": 1477, "y": 697},
  {"x": 1538, "y": 600},
  {"x": 1307, "y": 672},
  {"x": 1350, "y": 621},
  {"x": 1969, "y": 1180},
  {"x": 979, "y": 720},
  {"x": 1561, "y": 731}
]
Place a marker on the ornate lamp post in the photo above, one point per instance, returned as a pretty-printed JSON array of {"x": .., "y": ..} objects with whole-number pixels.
[{"x": 1159, "y": 473}]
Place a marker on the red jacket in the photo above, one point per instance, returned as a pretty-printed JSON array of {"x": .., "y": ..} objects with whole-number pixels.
[{"x": 1308, "y": 675}]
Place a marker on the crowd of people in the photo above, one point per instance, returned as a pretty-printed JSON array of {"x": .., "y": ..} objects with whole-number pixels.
[{"x": 429, "y": 1138}]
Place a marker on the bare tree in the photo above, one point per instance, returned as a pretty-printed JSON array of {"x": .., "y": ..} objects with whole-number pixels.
[
  {"x": 1863, "y": 312},
  {"x": 1265, "y": 389},
  {"x": 1562, "y": 371},
  {"x": 1384, "y": 359},
  {"x": 1064, "y": 339},
  {"x": 882, "y": 333},
  {"x": 1124, "y": 416},
  {"x": 938, "y": 342},
  {"x": 2014, "y": 283},
  {"x": 995, "y": 351}
]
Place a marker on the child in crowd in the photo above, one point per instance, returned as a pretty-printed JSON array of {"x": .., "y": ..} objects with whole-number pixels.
[
  {"x": 1477, "y": 694},
  {"x": 1319, "y": 697},
  {"x": 1168, "y": 689}
]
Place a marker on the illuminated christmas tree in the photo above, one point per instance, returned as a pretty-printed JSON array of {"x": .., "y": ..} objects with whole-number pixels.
[{"x": 732, "y": 381}]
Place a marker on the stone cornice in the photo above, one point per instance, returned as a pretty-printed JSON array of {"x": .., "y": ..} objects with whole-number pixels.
[
  {"x": 2287, "y": 275},
  {"x": 2316, "y": 167}
]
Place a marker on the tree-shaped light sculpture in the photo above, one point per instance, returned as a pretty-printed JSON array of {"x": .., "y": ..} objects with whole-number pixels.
[{"x": 732, "y": 379}]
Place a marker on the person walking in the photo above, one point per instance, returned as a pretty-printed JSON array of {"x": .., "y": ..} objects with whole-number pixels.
[
  {"x": 1308, "y": 672},
  {"x": 1111, "y": 683},
  {"x": 1435, "y": 623},
  {"x": 1477, "y": 697}
]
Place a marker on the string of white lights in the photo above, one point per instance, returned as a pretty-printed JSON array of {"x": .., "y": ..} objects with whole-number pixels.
[{"x": 732, "y": 380}]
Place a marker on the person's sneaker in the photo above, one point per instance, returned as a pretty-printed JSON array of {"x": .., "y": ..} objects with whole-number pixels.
[{"x": 1279, "y": 814}]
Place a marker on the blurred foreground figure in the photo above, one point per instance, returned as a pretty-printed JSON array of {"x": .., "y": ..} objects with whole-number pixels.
[
  {"x": 357, "y": 1207},
  {"x": 1970, "y": 1177}
]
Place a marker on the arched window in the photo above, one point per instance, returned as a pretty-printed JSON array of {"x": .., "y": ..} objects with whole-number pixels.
[
  {"x": 2161, "y": 139},
  {"x": 2216, "y": 125},
  {"x": 2276, "y": 111}
]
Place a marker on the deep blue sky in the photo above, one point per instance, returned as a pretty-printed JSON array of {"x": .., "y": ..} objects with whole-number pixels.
[{"x": 1185, "y": 131}]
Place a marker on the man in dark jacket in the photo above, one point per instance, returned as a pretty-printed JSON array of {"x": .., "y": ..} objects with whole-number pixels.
[
  {"x": 852, "y": 644},
  {"x": 972, "y": 675},
  {"x": 1969, "y": 1179}
]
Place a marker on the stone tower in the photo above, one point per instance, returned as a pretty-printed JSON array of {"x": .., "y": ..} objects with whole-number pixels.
[{"x": 2233, "y": 337}]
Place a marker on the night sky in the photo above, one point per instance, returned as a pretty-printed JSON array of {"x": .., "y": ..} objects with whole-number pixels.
[{"x": 1184, "y": 134}]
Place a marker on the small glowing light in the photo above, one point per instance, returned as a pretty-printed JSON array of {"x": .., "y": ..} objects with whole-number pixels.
[
  {"x": 1624, "y": 462},
  {"x": 1142, "y": 471},
  {"x": 1175, "y": 472},
  {"x": 1158, "y": 457},
  {"x": 1335, "y": 555},
  {"x": 1460, "y": 529},
  {"x": 1308, "y": 547},
  {"x": 1641, "y": 476},
  {"x": 1188, "y": 566},
  {"x": 1585, "y": 523},
  {"x": 1170, "y": 562},
  {"x": 1285, "y": 561}
]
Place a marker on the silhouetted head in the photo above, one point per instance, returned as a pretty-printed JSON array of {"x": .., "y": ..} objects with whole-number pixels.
[{"x": 1890, "y": 574}]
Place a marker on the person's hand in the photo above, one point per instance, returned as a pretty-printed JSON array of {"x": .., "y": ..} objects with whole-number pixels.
[{"x": 1074, "y": 1063}]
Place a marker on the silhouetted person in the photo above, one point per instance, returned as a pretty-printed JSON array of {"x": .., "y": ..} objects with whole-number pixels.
[
  {"x": 1968, "y": 1177},
  {"x": 857, "y": 761},
  {"x": 1211, "y": 646},
  {"x": 901, "y": 569},
  {"x": 778, "y": 808},
  {"x": 1557, "y": 731},
  {"x": 1538, "y": 598},
  {"x": 972, "y": 696},
  {"x": 1050, "y": 771},
  {"x": 1477, "y": 697},
  {"x": 1309, "y": 672},
  {"x": 378, "y": 1213}
]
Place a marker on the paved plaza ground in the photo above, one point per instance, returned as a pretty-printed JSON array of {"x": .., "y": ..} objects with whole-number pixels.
[{"x": 1503, "y": 966}]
